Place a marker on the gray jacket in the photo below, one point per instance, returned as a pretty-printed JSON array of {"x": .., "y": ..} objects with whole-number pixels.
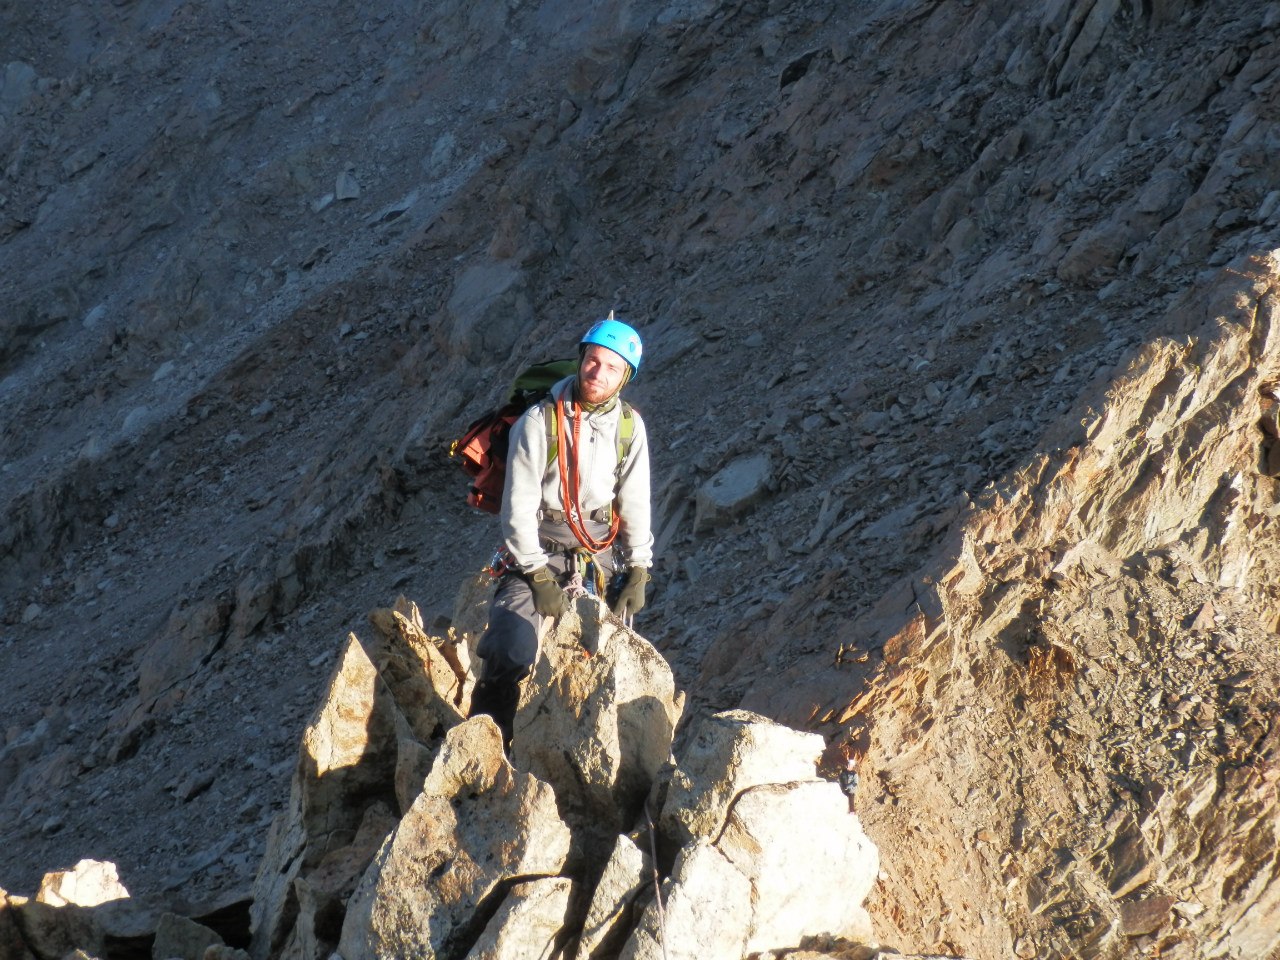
[{"x": 533, "y": 485}]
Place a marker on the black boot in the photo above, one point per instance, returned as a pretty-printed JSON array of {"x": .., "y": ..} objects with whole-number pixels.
[{"x": 496, "y": 694}]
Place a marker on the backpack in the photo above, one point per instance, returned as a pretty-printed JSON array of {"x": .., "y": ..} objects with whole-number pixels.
[{"x": 481, "y": 451}]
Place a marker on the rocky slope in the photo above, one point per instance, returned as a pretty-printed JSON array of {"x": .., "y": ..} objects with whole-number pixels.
[
  {"x": 409, "y": 832},
  {"x": 260, "y": 264}
]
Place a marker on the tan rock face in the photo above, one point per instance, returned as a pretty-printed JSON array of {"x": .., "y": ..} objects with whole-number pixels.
[
  {"x": 1085, "y": 695},
  {"x": 725, "y": 755},
  {"x": 529, "y": 923},
  {"x": 423, "y": 673},
  {"x": 706, "y": 912},
  {"x": 477, "y": 825},
  {"x": 346, "y": 766},
  {"x": 626, "y": 871},
  {"x": 597, "y": 717}
]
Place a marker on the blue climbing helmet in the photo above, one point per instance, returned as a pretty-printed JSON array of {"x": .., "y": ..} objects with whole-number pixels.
[{"x": 616, "y": 336}]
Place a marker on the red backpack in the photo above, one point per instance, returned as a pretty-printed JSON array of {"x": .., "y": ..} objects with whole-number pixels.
[{"x": 482, "y": 450}]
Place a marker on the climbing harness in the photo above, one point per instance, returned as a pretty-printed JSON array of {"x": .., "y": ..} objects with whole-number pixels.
[
  {"x": 588, "y": 576},
  {"x": 500, "y": 564}
]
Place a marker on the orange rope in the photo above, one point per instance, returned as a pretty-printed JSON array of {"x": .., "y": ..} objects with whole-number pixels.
[{"x": 569, "y": 484}]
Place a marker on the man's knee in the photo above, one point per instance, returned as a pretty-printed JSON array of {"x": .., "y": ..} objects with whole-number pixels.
[{"x": 510, "y": 637}]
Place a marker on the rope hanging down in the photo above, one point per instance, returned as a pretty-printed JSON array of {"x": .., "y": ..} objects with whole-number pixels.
[{"x": 569, "y": 483}]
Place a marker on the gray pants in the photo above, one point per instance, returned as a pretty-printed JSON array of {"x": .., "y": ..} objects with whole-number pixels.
[{"x": 510, "y": 644}]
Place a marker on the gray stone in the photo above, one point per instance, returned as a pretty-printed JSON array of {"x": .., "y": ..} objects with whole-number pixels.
[
  {"x": 1267, "y": 209},
  {"x": 81, "y": 160},
  {"x": 179, "y": 937},
  {"x": 395, "y": 209},
  {"x": 94, "y": 317},
  {"x": 17, "y": 85},
  {"x": 346, "y": 187},
  {"x": 135, "y": 422},
  {"x": 732, "y": 491},
  {"x": 487, "y": 311}
]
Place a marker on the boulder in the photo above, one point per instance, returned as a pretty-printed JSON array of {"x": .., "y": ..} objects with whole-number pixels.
[
  {"x": 727, "y": 754},
  {"x": 808, "y": 860},
  {"x": 87, "y": 884},
  {"x": 61, "y": 917},
  {"x": 321, "y": 894},
  {"x": 347, "y": 764},
  {"x": 348, "y": 752},
  {"x": 477, "y": 826},
  {"x": 706, "y": 912},
  {"x": 596, "y": 718},
  {"x": 12, "y": 946},
  {"x": 529, "y": 923},
  {"x": 735, "y": 488},
  {"x": 179, "y": 937},
  {"x": 791, "y": 866},
  {"x": 423, "y": 673},
  {"x": 625, "y": 873},
  {"x": 51, "y": 932}
]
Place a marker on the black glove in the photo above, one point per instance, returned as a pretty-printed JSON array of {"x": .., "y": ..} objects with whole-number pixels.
[
  {"x": 630, "y": 599},
  {"x": 548, "y": 599}
]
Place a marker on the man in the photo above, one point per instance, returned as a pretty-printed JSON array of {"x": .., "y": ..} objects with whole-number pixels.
[{"x": 575, "y": 509}]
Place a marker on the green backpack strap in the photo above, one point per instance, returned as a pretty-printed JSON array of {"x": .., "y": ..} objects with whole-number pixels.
[
  {"x": 549, "y": 421},
  {"x": 626, "y": 434},
  {"x": 626, "y": 431}
]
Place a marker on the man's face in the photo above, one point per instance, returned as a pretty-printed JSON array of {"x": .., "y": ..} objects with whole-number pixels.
[{"x": 600, "y": 374}]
